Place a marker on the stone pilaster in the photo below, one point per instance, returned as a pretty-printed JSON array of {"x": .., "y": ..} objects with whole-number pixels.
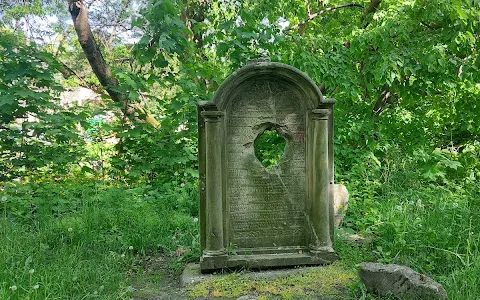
[
  {"x": 214, "y": 242},
  {"x": 202, "y": 106},
  {"x": 320, "y": 212}
]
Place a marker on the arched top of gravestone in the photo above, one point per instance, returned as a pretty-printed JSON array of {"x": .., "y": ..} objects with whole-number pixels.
[{"x": 276, "y": 72}]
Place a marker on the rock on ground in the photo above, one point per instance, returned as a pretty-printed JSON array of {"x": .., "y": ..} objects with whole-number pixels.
[
  {"x": 247, "y": 297},
  {"x": 399, "y": 281},
  {"x": 340, "y": 203}
]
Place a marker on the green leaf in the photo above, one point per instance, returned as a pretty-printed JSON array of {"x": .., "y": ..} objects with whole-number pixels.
[
  {"x": 452, "y": 164},
  {"x": 6, "y": 100},
  {"x": 26, "y": 93},
  {"x": 375, "y": 159},
  {"x": 160, "y": 63}
]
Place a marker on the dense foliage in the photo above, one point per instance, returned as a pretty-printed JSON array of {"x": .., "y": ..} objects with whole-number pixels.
[{"x": 87, "y": 182}]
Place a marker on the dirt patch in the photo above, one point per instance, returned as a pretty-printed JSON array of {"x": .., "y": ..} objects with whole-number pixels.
[{"x": 153, "y": 279}]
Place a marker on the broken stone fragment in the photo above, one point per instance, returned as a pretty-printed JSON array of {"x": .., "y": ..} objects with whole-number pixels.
[
  {"x": 400, "y": 282},
  {"x": 340, "y": 203},
  {"x": 247, "y": 297}
]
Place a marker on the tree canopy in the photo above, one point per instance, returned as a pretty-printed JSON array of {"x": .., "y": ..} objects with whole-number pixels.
[{"x": 404, "y": 73}]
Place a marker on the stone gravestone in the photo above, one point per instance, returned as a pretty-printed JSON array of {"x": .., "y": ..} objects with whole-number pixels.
[{"x": 258, "y": 217}]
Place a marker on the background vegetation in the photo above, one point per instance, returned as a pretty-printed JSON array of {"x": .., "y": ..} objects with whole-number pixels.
[{"x": 89, "y": 191}]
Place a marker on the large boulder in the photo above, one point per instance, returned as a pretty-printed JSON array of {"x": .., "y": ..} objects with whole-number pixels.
[
  {"x": 340, "y": 203},
  {"x": 400, "y": 282}
]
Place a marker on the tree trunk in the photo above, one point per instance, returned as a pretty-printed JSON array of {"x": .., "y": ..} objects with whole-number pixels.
[{"x": 79, "y": 14}]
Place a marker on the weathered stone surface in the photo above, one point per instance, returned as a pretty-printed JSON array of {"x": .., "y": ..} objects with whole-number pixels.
[
  {"x": 399, "y": 281},
  {"x": 340, "y": 203},
  {"x": 247, "y": 297},
  {"x": 192, "y": 274},
  {"x": 252, "y": 216}
]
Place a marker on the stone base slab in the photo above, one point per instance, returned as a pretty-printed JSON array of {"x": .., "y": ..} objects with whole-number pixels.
[
  {"x": 264, "y": 261},
  {"x": 192, "y": 273}
]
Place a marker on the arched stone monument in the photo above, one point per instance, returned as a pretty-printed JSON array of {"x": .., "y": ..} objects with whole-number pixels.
[{"x": 252, "y": 216}]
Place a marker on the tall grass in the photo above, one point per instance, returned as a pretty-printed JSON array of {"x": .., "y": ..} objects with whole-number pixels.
[
  {"x": 429, "y": 224},
  {"x": 77, "y": 240},
  {"x": 80, "y": 238}
]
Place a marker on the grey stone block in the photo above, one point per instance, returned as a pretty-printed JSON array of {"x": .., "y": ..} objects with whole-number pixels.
[
  {"x": 340, "y": 203},
  {"x": 400, "y": 282}
]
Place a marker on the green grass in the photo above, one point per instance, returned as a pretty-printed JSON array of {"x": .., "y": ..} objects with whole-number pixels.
[
  {"x": 78, "y": 241},
  {"x": 432, "y": 227},
  {"x": 82, "y": 239}
]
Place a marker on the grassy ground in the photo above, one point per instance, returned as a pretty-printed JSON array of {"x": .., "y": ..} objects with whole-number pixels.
[
  {"x": 81, "y": 240},
  {"x": 86, "y": 239},
  {"x": 433, "y": 228}
]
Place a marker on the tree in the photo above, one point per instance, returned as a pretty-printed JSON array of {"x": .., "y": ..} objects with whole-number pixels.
[
  {"x": 92, "y": 52},
  {"x": 34, "y": 131},
  {"x": 377, "y": 58}
]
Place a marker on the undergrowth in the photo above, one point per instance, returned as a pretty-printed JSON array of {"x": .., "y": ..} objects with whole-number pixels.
[
  {"x": 84, "y": 238},
  {"x": 77, "y": 240},
  {"x": 421, "y": 211}
]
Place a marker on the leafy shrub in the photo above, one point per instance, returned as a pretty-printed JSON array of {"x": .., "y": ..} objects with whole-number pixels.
[{"x": 34, "y": 131}]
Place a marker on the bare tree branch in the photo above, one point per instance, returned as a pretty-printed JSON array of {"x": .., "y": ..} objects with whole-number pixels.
[
  {"x": 370, "y": 9},
  {"x": 383, "y": 100},
  {"x": 118, "y": 21}
]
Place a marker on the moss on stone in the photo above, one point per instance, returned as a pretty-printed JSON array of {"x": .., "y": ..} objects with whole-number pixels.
[{"x": 330, "y": 282}]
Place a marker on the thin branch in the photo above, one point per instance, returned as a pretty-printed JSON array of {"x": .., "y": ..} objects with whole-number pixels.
[
  {"x": 313, "y": 16},
  {"x": 431, "y": 26},
  {"x": 383, "y": 100},
  {"x": 371, "y": 8},
  {"x": 67, "y": 72},
  {"x": 117, "y": 21},
  {"x": 62, "y": 40},
  {"x": 364, "y": 80}
]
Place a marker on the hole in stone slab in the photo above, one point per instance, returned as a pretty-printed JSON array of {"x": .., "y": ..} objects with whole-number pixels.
[{"x": 269, "y": 147}]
